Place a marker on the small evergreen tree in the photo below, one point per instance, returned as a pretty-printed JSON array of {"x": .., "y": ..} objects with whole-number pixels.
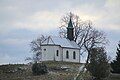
[
  {"x": 98, "y": 66},
  {"x": 39, "y": 68},
  {"x": 115, "y": 64}
]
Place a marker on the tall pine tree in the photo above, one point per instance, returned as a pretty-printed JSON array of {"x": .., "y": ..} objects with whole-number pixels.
[
  {"x": 98, "y": 66},
  {"x": 115, "y": 64}
]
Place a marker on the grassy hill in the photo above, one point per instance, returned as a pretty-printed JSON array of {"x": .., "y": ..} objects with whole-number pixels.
[{"x": 23, "y": 72}]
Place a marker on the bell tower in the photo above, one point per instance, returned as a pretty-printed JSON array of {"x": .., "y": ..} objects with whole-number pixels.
[{"x": 70, "y": 30}]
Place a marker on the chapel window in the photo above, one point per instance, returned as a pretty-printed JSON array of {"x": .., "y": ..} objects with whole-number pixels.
[
  {"x": 44, "y": 49},
  {"x": 57, "y": 53},
  {"x": 67, "y": 54},
  {"x": 74, "y": 55}
]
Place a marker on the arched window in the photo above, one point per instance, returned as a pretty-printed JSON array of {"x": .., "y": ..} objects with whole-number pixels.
[
  {"x": 44, "y": 49},
  {"x": 67, "y": 54},
  {"x": 74, "y": 55},
  {"x": 57, "y": 53}
]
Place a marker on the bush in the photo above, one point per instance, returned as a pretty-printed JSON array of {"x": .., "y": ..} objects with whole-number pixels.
[
  {"x": 98, "y": 66},
  {"x": 115, "y": 64},
  {"x": 39, "y": 68}
]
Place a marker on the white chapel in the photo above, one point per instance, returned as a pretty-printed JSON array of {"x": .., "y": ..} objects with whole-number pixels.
[{"x": 61, "y": 49}]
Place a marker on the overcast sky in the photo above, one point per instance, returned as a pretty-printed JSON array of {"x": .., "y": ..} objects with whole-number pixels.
[{"x": 21, "y": 21}]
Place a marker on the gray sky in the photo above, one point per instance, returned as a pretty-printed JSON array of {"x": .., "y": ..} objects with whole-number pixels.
[{"x": 21, "y": 21}]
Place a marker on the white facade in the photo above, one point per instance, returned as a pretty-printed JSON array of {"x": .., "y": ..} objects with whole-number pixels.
[
  {"x": 56, "y": 51},
  {"x": 71, "y": 55}
]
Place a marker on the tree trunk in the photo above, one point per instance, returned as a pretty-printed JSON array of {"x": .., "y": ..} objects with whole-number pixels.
[{"x": 87, "y": 61}]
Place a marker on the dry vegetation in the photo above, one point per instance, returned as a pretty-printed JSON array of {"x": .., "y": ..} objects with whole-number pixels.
[{"x": 23, "y": 72}]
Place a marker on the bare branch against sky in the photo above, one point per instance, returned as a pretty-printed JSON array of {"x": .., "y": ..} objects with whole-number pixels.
[{"x": 24, "y": 20}]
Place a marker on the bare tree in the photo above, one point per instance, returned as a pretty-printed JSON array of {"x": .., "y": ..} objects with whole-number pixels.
[
  {"x": 77, "y": 23},
  {"x": 85, "y": 35},
  {"x": 36, "y": 48}
]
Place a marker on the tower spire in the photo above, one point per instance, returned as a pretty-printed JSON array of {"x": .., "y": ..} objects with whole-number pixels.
[
  {"x": 70, "y": 25},
  {"x": 70, "y": 32}
]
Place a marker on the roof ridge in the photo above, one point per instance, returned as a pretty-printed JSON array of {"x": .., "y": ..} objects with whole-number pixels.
[{"x": 63, "y": 42}]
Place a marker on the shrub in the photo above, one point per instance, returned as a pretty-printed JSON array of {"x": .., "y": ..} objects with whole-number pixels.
[
  {"x": 115, "y": 64},
  {"x": 39, "y": 68},
  {"x": 98, "y": 66}
]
